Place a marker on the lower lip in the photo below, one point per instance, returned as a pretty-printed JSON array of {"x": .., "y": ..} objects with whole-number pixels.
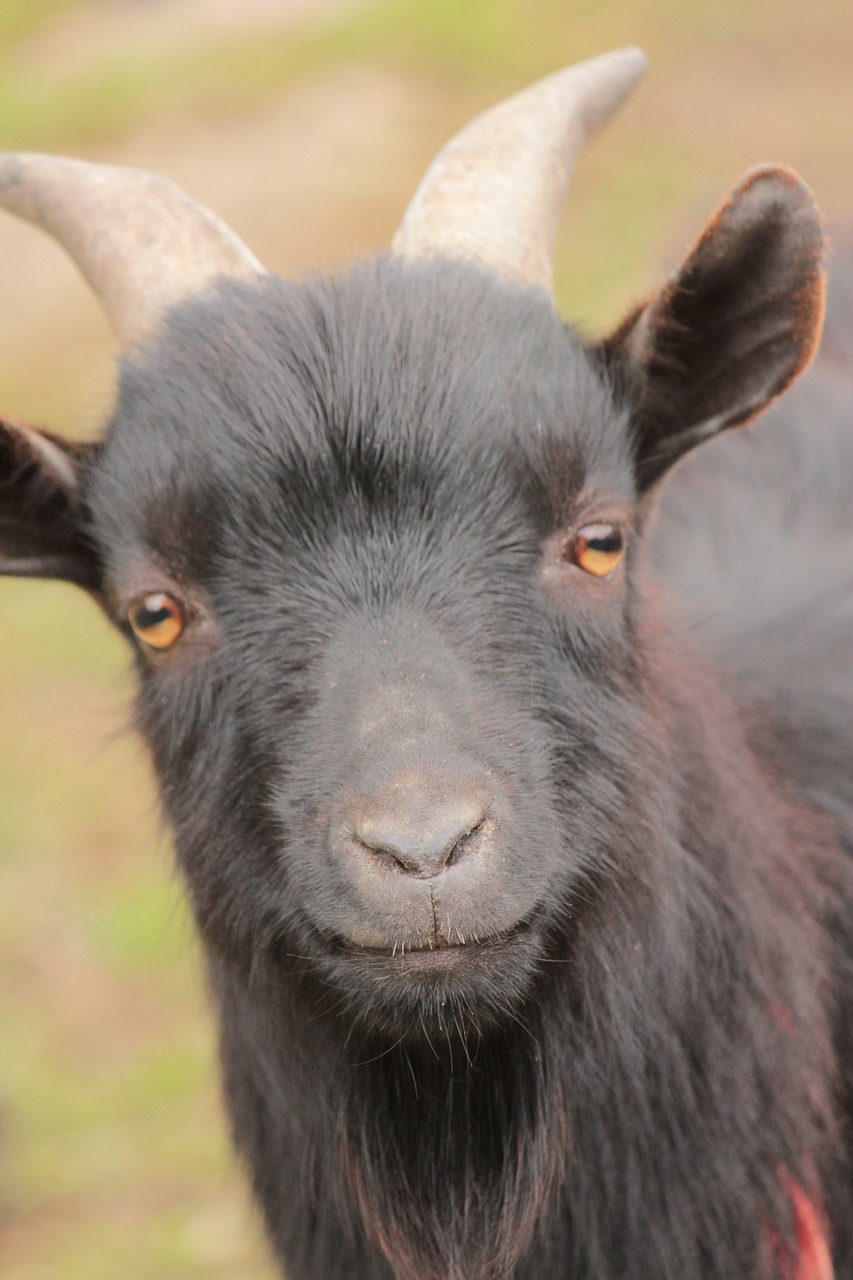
[{"x": 443, "y": 952}]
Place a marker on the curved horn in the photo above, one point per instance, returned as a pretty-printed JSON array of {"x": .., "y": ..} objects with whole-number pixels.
[
  {"x": 496, "y": 190},
  {"x": 141, "y": 243}
]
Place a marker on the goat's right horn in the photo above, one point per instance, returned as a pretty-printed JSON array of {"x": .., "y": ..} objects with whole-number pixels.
[
  {"x": 495, "y": 192},
  {"x": 141, "y": 243}
]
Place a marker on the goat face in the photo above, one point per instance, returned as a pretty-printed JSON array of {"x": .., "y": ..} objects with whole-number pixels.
[{"x": 394, "y": 733}]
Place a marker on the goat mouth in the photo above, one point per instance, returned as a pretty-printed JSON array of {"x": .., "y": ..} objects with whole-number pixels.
[
  {"x": 482, "y": 979},
  {"x": 439, "y": 947}
]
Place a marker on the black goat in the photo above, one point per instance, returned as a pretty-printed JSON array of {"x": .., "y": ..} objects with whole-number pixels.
[{"x": 511, "y": 787}]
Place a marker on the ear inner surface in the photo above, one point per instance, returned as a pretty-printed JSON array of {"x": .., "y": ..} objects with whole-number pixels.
[
  {"x": 735, "y": 324},
  {"x": 42, "y": 527}
]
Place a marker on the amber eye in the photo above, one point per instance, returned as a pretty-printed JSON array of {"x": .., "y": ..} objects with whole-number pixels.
[
  {"x": 597, "y": 549},
  {"x": 158, "y": 620}
]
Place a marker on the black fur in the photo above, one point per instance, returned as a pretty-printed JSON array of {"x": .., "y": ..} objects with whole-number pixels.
[
  {"x": 616, "y": 1091},
  {"x": 359, "y": 481}
]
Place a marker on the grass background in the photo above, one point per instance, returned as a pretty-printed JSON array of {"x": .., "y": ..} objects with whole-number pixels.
[{"x": 307, "y": 126}]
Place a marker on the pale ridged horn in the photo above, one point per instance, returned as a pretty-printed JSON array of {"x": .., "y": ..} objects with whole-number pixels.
[
  {"x": 141, "y": 242},
  {"x": 495, "y": 192}
]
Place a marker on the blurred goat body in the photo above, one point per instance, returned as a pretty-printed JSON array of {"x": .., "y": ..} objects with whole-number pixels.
[{"x": 508, "y": 761}]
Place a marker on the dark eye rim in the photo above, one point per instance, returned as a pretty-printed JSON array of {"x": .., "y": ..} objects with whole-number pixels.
[
  {"x": 183, "y": 610},
  {"x": 570, "y": 550}
]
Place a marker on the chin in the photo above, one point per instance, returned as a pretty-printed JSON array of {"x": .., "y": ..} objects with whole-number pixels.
[{"x": 415, "y": 994}]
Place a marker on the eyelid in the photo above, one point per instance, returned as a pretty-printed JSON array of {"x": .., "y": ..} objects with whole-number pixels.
[
  {"x": 594, "y": 510},
  {"x": 133, "y": 579}
]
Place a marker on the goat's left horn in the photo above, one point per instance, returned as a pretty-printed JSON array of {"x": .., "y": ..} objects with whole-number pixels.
[
  {"x": 141, "y": 243},
  {"x": 495, "y": 192}
]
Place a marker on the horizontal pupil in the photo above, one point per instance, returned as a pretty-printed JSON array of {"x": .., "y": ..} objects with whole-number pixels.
[
  {"x": 610, "y": 545},
  {"x": 148, "y": 618}
]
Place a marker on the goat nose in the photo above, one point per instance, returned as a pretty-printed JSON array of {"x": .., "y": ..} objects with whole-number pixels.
[{"x": 423, "y": 838}]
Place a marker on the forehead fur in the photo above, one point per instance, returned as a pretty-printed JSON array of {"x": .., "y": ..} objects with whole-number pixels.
[{"x": 430, "y": 384}]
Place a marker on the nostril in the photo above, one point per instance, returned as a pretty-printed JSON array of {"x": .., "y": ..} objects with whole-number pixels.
[
  {"x": 464, "y": 842},
  {"x": 422, "y": 841},
  {"x": 383, "y": 848}
]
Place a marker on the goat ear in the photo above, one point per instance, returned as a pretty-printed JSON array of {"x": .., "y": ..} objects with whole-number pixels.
[
  {"x": 732, "y": 327},
  {"x": 42, "y": 527}
]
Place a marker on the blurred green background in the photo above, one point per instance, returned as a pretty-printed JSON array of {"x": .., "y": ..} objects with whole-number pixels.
[{"x": 306, "y": 124}]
